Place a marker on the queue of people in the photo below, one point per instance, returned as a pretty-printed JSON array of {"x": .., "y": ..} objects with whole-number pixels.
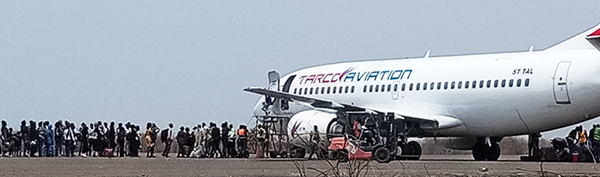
[
  {"x": 212, "y": 141},
  {"x": 101, "y": 139}
]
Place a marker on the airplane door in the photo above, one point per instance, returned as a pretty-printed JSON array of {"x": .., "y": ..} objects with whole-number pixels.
[
  {"x": 561, "y": 91},
  {"x": 395, "y": 90}
]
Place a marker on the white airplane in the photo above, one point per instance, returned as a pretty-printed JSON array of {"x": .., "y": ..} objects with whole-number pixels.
[{"x": 474, "y": 100}]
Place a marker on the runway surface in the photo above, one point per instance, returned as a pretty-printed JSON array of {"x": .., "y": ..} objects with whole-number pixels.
[{"x": 430, "y": 165}]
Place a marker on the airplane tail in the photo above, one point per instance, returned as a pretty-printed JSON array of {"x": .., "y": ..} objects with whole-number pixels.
[{"x": 590, "y": 39}]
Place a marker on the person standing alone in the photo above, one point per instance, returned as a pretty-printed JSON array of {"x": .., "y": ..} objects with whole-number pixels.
[{"x": 168, "y": 140}]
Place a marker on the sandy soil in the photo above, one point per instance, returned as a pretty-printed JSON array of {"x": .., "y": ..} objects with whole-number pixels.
[{"x": 460, "y": 165}]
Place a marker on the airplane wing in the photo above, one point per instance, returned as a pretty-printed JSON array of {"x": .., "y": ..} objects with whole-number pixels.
[{"x": 437, "y": 122}]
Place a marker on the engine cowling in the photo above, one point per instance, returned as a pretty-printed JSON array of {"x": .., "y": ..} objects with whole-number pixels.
[
  {"x": 458, "y": 143},
  {"x": 304, "y": 121}
]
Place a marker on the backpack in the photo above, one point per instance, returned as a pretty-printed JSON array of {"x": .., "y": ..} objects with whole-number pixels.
[{"x": 164, "y": 134}]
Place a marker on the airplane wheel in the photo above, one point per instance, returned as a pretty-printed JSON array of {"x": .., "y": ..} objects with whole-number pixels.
[
  {"x": 297, "y": 153},
  {"x": 493, "y": 153},
  {"x": 382, "y": 155},
  {"x": 415, "y": 150},
  {"x": 480, "y": 151},
  {"x": 404, "y": 150},
  {"x": 342, "y": 156}
]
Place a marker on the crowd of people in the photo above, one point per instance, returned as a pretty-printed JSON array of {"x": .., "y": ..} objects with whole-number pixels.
[{"x": 103, "y": 139}]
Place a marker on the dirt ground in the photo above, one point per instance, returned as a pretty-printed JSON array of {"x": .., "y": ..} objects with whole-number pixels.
[{"x": 460, "y": 165}]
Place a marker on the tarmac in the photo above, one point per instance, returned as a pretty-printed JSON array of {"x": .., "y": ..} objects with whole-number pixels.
[{"x": 429, "y": 165}]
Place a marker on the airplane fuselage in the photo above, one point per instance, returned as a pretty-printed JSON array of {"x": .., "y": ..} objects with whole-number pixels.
[{"x": 492, "y": 94}]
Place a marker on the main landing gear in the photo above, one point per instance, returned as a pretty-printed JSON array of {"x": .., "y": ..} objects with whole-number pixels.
[{"x": 487, "y": 149}]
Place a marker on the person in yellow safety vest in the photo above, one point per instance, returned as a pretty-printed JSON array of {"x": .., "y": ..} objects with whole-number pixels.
[
  {"x": 595, "y": 140},
  {"x": 582, "y": 136}
]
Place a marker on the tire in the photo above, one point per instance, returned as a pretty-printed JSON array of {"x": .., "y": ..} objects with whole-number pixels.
[
  {"x": 342, "y": 156},
  {"x": 382, "y": 155},
  {"x": 480, "y": 151},
  {"x": 415, "y": 148},
  {"x": 332, "y": 155},
  {"x": 404, "y": 151},
  {"x": 493, "y": 153},
  {"x": 298, "y": 153}
]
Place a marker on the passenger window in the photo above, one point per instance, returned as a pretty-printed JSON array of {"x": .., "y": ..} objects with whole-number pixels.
[
  {"x": 389, "y": 88},
  {"x": 466, "y": 84},
  {"x": 452, "y": 86},
  {"x": 489, "y": 83},
  {"x": 445, "y": 85},
  {"x": 305, "y": 90},
  {"x": 481, "y": 84},
  {"x": 459, "y": 84},
  {"x": 371, "y": 88},
  {"x": 518, "y": 82},
  {"x": 439, "y": 85},
  {"x": 377, "y": 88},
  {"x": 317, "y": 90},
  {"x": 300, "y": 92},
  {"x": 474, "y": 84},
  {"x": 418, "y": 86},
  {"x": 311, "y": 89},
  {"x": 333, "y": 91},
  {"x": 328, "y": 90},
  {"x": 352, "y": 89},
  {"x": 322, "y": 90},
  {"x": 410, "y": 87},
  {"x": 526, "y": 83},
  {"x": 403, "y": 86},
  {"x": 503, "y": 82},
  {"x": 425, "y": 86},
  {"x": 395, "y": 87},
  {"x": 341, "y": 88},
  {"x": 346, "y": 90},
  {"x": 295, "y": 90},
  {"x": 495, "y": 83},
  {"x": 510, "y": 83},
  {"x": 431, "y": 86}
]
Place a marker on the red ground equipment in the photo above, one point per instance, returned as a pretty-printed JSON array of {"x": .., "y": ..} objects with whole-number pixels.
[{"x": 364, "y": 136}]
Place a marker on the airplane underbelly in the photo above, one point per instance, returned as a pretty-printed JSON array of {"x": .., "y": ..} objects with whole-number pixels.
[{"x": 492, "y": 121}]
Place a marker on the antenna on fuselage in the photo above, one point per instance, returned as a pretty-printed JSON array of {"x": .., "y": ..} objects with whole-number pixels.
[
  {"x": 427, "y": 53},
  {"x": 531, "y": 48}
]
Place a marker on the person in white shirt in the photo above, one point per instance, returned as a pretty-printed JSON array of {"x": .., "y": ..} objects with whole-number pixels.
[
  {"x": 69, "y": 137},
  {"x": 169, "y": 141}
]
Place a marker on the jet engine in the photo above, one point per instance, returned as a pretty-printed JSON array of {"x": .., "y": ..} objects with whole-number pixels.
[{"x": 458, "y": 143}]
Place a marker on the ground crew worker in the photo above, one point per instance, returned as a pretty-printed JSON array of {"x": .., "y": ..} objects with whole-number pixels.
[
  {"x": 314, "y": 143},
  {"x": 242, "y": 134},
  {"x": 261, "y": 134},
  {"x": 582, "y": 136},
  {"x": 534, "y": 143},
  {"x": 231, "y": 142},
  {"x": 595, "y": 139}
]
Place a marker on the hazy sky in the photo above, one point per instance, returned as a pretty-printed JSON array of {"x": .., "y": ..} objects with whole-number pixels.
[{"x": 187, "y": 61}]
